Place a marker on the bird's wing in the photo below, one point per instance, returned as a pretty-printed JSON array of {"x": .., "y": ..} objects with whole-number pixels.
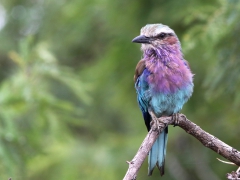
[
  {"x": 142, "y": 87},
  {"x": 158, "y": 151},
  {"x": 139, "y": 69}
]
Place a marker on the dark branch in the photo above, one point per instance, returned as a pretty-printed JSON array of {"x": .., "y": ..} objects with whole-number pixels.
[{"x": 205, "y": 138}]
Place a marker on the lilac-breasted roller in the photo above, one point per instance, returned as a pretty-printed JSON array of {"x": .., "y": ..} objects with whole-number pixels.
[{"x": 163, "y": 82}]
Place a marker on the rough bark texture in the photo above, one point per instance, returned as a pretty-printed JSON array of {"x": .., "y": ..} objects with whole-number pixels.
[
  {"x": 233, "y": 176},
  {"x": 205, "y": 138}
]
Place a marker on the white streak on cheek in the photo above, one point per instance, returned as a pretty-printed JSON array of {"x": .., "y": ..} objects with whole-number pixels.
[{"x": 146, "y": 47}]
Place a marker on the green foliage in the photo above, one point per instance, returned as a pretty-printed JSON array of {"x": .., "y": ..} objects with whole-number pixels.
[{"x": 68, "y": 104}]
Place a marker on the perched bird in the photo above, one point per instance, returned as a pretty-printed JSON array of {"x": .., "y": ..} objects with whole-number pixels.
[{"x": 163, "y": 82}]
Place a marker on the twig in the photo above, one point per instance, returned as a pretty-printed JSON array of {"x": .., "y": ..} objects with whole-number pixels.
[
  {"x": 205, "y": 138},
  {"x": 226, "y": 162}
]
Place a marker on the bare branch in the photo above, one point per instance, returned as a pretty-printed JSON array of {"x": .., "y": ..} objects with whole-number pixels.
[
  {"x": 142, "y": 153},
  {"x": 205, "y": 138}
]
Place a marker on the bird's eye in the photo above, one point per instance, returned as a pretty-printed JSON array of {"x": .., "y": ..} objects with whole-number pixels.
[{"x": 162, "y": 35}]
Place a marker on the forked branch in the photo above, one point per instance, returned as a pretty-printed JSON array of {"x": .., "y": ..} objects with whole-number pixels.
[{"x": 205, "y": 138}]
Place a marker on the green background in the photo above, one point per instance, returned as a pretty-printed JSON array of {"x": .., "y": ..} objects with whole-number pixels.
[{"x": 68, "y": 106}]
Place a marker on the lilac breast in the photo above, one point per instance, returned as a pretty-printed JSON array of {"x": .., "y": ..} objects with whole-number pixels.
[{"x": 168, "y": 77}]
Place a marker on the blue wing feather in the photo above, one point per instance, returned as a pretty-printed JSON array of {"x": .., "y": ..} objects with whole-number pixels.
[
  {"x": 142, "y": 87},
  {"x": 158, "y": 152}
]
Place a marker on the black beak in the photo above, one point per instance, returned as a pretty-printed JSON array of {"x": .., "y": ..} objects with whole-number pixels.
[{"x": 141, "y": 39}]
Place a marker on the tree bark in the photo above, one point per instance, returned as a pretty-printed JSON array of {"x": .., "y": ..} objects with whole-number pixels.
[{"x": 159, "y": 124}]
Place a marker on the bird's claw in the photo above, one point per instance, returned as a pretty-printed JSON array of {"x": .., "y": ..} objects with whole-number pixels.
[
  {"x": 175, "y": 118},
  {"x": 154, "y": 121}
]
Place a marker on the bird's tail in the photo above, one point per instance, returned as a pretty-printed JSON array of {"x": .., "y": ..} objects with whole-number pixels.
[{"x": 158, "y": 152}]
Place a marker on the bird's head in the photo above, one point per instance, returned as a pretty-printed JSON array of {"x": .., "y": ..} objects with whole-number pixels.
[{"x": 155, "y": 36}]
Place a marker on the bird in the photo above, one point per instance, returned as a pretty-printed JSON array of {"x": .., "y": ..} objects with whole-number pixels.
[{"x": 163, "y": 82}]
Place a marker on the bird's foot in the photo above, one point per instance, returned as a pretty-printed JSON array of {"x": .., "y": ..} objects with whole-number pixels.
[
  {"x": 175, "y": 118},
  {"x": 154, "y": 123}
]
